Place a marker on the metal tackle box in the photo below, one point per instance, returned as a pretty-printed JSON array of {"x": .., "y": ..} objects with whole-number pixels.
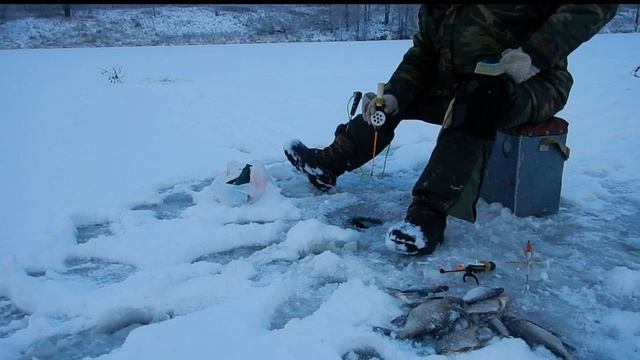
[{"x": 524, "y": 171}]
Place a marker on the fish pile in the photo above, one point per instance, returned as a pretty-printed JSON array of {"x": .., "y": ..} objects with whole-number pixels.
[{"x": 468, "y": 323}]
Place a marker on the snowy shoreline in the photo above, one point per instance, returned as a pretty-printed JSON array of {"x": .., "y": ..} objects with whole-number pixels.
[{"x": 171, "y": 25}]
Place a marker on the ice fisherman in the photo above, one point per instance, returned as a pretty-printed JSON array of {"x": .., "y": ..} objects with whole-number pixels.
[{"x": 522, "y": 78}]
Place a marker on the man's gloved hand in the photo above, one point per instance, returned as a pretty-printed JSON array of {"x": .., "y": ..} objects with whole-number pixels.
[
  {"x": 369, "y": 106},
  {"x": 517, "y": 64}
]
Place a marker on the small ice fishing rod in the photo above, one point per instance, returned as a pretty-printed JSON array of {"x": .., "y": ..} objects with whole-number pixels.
[
  {"x": 377, "y": 120},
  {"x": 471, "y": 269},
  {"x": 528, "y": 261}
]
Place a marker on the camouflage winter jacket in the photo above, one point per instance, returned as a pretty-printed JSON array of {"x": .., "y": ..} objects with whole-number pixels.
[{"x": 452, "y": 38}]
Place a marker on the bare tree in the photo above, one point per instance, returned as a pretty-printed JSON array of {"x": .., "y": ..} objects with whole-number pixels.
[
  {"x": 367, "y": 24},
  {"x": 637, "y": 17},
  {"x": 331, "y": 28},
  {"x": 387, "y": 10},
  {"x": 407, "y": 15},
  {"x": 346, "y": 16},
  {"x": 341, "y": 19},
  {"x": 357, "y": 21},
  {"x": 403, "y": 17},
  {"x": 405, "y": 30},
  {"x": 366, "y": 16}
]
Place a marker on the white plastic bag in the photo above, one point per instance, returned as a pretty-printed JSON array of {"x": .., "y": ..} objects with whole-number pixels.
[{"x": 237, "y": 193}]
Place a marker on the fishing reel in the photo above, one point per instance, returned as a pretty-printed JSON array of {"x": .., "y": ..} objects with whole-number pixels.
[{"x": 471, "y": 269}]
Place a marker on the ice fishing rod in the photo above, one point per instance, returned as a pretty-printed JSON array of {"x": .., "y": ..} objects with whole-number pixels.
[
  {"x": 528, "y": 253},
  {"x": 377, "y": 120},
  {"x": 528, "y": 261},
  {"x": 471, "y": 269}
]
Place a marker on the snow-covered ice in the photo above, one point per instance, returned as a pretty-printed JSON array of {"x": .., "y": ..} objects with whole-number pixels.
[{"x": 115, "y": 241}]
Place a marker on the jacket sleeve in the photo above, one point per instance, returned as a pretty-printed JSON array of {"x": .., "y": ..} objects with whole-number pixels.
[
  {"x": 568, "y": 27},
  {"x": 415, "y": 72}
]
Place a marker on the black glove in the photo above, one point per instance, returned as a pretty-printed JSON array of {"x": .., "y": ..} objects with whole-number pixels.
[{"x": 481, "y": 104}]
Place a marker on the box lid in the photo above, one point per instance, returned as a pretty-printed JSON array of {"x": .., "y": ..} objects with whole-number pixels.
[{"x": 553, "y": 126}]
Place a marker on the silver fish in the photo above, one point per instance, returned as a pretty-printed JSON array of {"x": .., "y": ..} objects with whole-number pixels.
[
  {"x": 535, "y": 334},
  {"x": 417, "y": 294},
  {"x": 461, "y": 324},
  {"x": 496, "y": 324},
  {"x": 488, "y": 306},
  {"x": 471, "y": 338},
  {"x": 433, "y": 315},
  {"x": 480, "y": 293}
]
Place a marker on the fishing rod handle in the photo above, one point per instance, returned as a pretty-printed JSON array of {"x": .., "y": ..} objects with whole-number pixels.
[
  {"x": 380, "y": 91},
  {"x": 488, "y": 265},
  {"x": 357, "y": 96},
  {"x": 482, "y": 266},
  {"x": 379, "y": 117}
]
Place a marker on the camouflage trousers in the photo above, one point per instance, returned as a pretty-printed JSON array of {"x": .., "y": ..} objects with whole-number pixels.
[{"x": 451, "y": 181}]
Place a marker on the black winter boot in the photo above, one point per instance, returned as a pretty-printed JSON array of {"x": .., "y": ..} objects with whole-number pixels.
[
  {"x": 420, "y": 232},
  {"x": 322, "y": 166}
]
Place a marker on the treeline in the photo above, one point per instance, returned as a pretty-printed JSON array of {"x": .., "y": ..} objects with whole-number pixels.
[
  {"x": 360, "y": 18},
  {"x": 399, "y": 20},
  {"x": 351, "y": 21},
  {"x": 164, "y": 24}
]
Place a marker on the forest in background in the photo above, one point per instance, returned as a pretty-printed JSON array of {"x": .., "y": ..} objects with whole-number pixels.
[{"x": 93, "y": 25}]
